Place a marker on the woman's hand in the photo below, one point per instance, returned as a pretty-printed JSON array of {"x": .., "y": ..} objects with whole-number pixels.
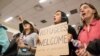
[
  {"x": 69, "y": 37},
  {"x": 21, "y": 43},
  {"x": 81, "y": 52},
  {"x": 33, "y": 49},
  {"x": 38, "y": 41},
  {"x": 20, "y": 18}
]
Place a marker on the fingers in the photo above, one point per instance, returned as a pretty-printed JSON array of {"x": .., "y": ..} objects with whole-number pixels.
[
  {"x": 85, "y": 54},
  {"x": 20, "y": 18},
  {"x": 81, "y": 52},
  {"x": 77, "y": 52},
  {"x": 69, "y": 37}
]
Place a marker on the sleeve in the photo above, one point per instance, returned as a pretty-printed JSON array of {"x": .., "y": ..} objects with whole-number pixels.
[
  {"x": 72, "y": 31},
  {"x": 4, "y": 42},
  {"x": 72, "y": 49},
  {"x": 21, "y": 27},
  {"x": 35, "y": 39}
]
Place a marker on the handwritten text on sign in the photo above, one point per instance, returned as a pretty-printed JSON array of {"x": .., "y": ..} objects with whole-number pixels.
[{"x": 54, "y": 41}]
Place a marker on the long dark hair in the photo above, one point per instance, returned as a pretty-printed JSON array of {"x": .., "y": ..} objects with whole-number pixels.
[
  {"x": 96, "y": 15},
  {"x": 31, "y": 27},
  {"x": 64, "y": 18}
]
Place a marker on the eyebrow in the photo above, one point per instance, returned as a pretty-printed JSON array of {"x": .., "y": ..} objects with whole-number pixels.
[{"x": 84, "y": 6}]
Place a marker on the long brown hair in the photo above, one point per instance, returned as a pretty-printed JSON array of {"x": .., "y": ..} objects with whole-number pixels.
[
  {"x": 31, "y": 27},
  {"x": 96, "y": 15}
]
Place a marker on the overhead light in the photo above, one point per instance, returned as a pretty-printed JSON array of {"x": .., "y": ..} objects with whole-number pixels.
[
  {"x": 8, "y": 19},
  {"x": 73, "y": 25},
  {"x": 42, "y": 1},
  {"x": 68, "y": 15}
]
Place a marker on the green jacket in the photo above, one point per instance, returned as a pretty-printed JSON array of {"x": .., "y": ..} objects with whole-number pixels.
[{"x": 4, "y": 41}]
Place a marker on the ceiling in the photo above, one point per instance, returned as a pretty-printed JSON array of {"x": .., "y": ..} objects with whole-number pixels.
[{"x": 34, "y": 11}]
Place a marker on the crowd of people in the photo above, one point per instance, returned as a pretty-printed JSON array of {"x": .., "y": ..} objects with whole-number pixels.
[{"x": 87, "y": 39}]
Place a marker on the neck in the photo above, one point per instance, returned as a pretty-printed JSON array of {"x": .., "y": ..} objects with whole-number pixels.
[
  {"x": 27, "y": 31},
  {"x": 89, "y": 20},
  {"x": 56, "y": 23}
]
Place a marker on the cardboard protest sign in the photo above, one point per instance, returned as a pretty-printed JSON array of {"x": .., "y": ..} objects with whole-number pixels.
[{"x": 54, "y": 40}]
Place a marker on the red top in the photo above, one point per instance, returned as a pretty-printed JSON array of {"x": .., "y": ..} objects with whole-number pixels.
[{"x": 86, "y": 36}]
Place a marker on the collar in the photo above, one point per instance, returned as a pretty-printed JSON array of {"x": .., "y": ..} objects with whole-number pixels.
[
  {"x": 93, "y": 23},
  {"x": 1, "y": 26}
]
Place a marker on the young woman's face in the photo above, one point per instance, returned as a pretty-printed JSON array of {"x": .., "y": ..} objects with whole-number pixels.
[
  {"x": 86, "y": 12},
  {"x": 26, "y": 26},
  {"x": 57, "y": 17}
]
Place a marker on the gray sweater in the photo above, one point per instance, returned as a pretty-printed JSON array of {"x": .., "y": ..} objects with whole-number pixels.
[{"x": 29, "y": 40}]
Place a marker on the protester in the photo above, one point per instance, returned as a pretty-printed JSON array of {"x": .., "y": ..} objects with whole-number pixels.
[
  {"x": 12, "y": 50},
  {"x": 28, "y": 39},
  {"x": 90, "y": 30},
  {"x": 61, "y": 17},
  {"x": 21, "y": 28},
  {"x": 4, "y": 41}
]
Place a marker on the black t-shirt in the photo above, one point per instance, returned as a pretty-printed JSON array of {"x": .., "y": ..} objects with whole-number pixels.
[
  {"x": 72, "y": 49},
  {"x": 72, "y": 31}
]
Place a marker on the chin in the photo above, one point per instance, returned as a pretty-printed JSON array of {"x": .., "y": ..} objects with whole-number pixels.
[
  {"x": 84, "y": 18},
  {"x": 54, "y": 22}
]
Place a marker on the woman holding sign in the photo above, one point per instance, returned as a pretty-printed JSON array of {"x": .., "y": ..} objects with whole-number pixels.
[
  {"x": 91, "y": 27},
  {"x": 60, "y": 17}
]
